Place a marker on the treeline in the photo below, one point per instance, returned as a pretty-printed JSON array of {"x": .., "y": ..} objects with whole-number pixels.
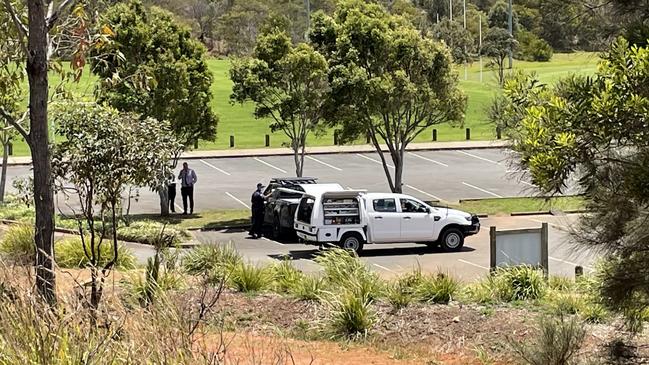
[{"x": 230, "y": 27}]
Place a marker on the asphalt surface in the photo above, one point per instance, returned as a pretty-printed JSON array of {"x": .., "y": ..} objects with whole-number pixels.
[
  {"x": 447, "y": 176},
  {"x": 390, "y": 260}
]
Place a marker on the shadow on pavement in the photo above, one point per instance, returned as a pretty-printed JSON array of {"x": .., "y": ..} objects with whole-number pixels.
[{"x": 370, "y": 252}]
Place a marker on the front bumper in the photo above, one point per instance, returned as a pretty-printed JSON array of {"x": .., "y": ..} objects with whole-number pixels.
[{"x": 474, "y": 228}]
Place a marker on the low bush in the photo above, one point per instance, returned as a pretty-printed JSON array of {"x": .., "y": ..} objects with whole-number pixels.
[
  {"x": 557, "y": 343},
  {"x": 285, "y": 277},
  {"x": 13, "y": 209},
  {"x": 532, "y": 48},
  {"x": 213, "y": 260},
  {"x": 309, "y": 288},
  {"x": 561, "y": 283},
  {"x": 565, "y": 303},
  {"x": 439, "y": 288},
  {"x": 350, "y": 314},
  {"x": 343, "y": 269},
  {"x": 138, "y": 289},
  {"x": 18, "y": 244},
  {"x": 508, "y": 284},
  {"x": 70, "y": 254},
  {"x": 249, "y": 278},
  {"x": 150, "y": 232}
]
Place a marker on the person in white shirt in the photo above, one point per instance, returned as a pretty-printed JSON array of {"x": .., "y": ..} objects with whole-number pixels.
[{"x": 187, "y": 179}]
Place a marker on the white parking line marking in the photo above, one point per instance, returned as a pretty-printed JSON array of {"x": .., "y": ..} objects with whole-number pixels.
[
  {"x": 570, "y": 263},
  {"x": 425, "y": 193},
  {"x": 215, "y": 168},
  {"x": 237, "y": 199},
  {"x": 428, "y": 159},
  {"x": 323, "y": 163},
  {"x": 479, "y": 158},
  {"x": 384, "y": 268},
  {"x": 526, "y": 183},
  {"x": 269, "y": 240},
  {"x": 472, "y": 264},
  {"x": 269, "y": 165},
  {"x": 482, "y": 190},
  {"x": 178, "y": 207},
  {"x": 373, "y": 160}
]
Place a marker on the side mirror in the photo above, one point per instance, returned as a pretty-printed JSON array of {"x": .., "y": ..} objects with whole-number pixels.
[{"x": 428, "y": 210}]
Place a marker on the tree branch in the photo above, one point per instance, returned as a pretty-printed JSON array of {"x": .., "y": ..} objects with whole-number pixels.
[
  {"x": 20, "y": 27},
  {"x": 16, "y": 123},
  {"x": 53, "y": 16}
]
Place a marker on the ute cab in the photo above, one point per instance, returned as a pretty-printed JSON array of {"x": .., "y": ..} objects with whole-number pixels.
[{"x": 353, "y": 218}]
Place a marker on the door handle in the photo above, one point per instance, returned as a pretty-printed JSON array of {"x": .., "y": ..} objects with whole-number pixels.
[
  {"x": 379, "y": 217},
  {"x": 406, "y": 217}
]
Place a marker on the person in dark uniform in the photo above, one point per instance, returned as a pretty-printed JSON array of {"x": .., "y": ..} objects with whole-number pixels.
[
  {"x": 258, "y": 200},
  {"x": 171, "y": 194}
]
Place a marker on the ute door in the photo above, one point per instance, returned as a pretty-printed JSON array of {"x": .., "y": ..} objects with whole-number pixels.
[
  {"x": 384, "y": 220},
  {"x": 417, "y": 224}
]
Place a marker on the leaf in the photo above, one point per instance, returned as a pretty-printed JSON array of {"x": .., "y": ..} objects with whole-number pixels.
[{"x": 105, "y": 30}]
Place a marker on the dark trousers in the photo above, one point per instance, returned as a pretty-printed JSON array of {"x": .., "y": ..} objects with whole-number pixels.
[
  {"x": 187, "y": 192},
  {"x": 257, "y": 222},
  {"x": 171, "y": 194}
]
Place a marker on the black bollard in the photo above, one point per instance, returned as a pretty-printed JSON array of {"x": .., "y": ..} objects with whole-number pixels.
[
  {"x": 231, "y": 141},
  {"x": 468, "y": 134},
  {"x": 434, "y": 135},
  {"x": 267, "y": 140}
]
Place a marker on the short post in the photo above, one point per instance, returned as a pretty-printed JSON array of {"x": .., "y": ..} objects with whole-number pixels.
[
  {"x": 10, "y": 148},
  {"x": 434, "y": 135},
  {"x": 492, "y": 248},
  {"x": 196, "y": 144},
  {"x": 498, "y": 133},
  {"x": 335, "y": 137},
  {"x": 231, "y": 141},
  {"x": 544, "y": 249},
  {"x": 468, "y": 134},
  {"x": 267, "y": 140},
  {"x": 367, "y": 138},
  {"x": 579, "y": 272}
]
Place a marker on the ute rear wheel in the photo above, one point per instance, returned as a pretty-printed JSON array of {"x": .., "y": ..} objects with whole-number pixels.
[
  {"x": 452, "y": 240},
  {"x": 353, "y": 242}
]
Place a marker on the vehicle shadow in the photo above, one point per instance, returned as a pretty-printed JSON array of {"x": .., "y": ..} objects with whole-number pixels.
[{"x": 371, "y": 252}]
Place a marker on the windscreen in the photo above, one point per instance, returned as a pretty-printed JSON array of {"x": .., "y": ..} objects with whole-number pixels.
[{"x": 305, "y": 209}]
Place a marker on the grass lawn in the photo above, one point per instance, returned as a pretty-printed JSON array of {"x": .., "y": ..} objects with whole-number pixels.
[
  {"x": 203, "y": 219},
  {"x": 505, "y": 206},
  {"x": 238, "y": 120}
]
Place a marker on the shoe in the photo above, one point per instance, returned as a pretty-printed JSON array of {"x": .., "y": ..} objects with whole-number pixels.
[
  {"x": 184, "y": 213},
  {"x": 191, "y": 212}
]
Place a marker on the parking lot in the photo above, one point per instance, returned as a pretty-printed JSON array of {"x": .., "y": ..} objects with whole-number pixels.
[{"x": 447, "y": 176}]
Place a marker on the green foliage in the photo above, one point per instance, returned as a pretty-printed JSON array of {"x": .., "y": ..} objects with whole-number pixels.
[
  {"x": 212, "y": 260},
  {"x": 387, "y": 80},
  {"x": 287, "y": 84},
  {"x": 286, "y": 277},
  {"x": 69, "y": 253},
  {"x": 509, "y": 284},
  {"x": 558, "y": 342},
  {"x": 532, "y": 48},
  {"x": 344, "y": 270},
  {"x": 249, "y": 278},
  {"x": 159, "y": 71},
  {"x": 439, "y": 288},
  {"x": 350, "y": 313},
  {"x": 402, "y": 292},
  {"x": 140, "y": 288},
  {"x": 18, "y": 244},
  {"x": 309, "y": 287},
  {"x": 497, "y": 44},
  {"x": 150, "y": 232},
  {"x": 499, "y": 16},
  {"x": 459, "y": 40}
]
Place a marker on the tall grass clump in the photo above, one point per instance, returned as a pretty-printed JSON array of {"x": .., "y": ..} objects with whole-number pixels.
[
  {"x": 69, "y": 253},
  {"x": 350, "y": 313},
  {"x": 509, "y": 284},
  {"x": 212, "y": 260},
  {"x": 285, "y": 277},
  {"x": 249, "y": 278},
  {"x": 401, "y": 292},
  {"x": 148, "y": 232},
  {"x": 309, "y": 287},
  {"x": 439, "y": 288},
  {"x": 344, "y": 270},
  {"x": 18, "y": 244},
  {"x": 558, "y": 342}
]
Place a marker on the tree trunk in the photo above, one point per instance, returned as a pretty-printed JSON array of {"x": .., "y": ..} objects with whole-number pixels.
[
  {"x": 37, "y": 65},
  {"x": 296, "y": 158},
  {"x": 386, "y": 169},
  {"x": 397, "y": 158},
  {"x": 164, "y": 201},
  {"x": 3, "y": 174}
]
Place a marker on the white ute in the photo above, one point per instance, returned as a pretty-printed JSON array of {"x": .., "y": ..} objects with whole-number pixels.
[{"x": 352, "y": 218}]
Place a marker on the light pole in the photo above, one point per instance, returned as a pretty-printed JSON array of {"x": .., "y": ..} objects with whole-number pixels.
[
  {"x": 510, "y": 26},
  {"x": 308, "y": 19},
  {"x": 450, "y": 10}
]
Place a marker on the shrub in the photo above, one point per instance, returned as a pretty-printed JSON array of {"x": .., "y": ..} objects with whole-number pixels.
[
  {"x": 561, "y": 283},
  {"x": 149, "y": 232},
  {"x": 566, "y": 303},
  {"x": 439, "y": 288},
  {"x": 211, "y": 260},
  {"x": 251, "y": 278},
  {"x": 532, "y": 48},
  {"x": 593, "y": 312},
  {"x": 344, "y": 270},
  {"x": 509, "y": 284},
  {"x": 558, "y": 342},
  {"x": 309, "y": 288},
  {"x": 350, "y": 314},
  {"x": 70, "y": 254},
  {"x": 138, "y": 289},
  {"x": 285, "y": 276},
  {"x": 18, "y": 244},
  {"x": 399, "y": 296},
  {"x": 15, "y": 210}
]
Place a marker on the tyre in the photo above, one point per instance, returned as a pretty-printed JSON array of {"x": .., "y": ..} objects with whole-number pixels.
[
  {"x": 451, "y": 240},
  {"x": 353, "y": 242}
]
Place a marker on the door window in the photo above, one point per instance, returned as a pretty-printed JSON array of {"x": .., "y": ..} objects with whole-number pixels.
[
  {"x": 412, "y": 206},
  {"x": 385, "y": 205}
]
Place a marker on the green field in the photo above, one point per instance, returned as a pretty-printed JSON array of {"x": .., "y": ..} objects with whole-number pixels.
[{"x": 238, "y": 121}]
